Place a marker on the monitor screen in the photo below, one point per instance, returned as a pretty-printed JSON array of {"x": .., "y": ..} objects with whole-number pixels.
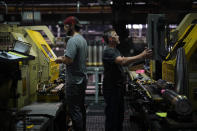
[{"x": 22, "y": 47}]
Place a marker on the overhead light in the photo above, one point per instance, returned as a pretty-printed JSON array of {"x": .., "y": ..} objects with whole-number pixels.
[
  {"x": 194, "y": 2},
  {"x": 91, "y": 31},
  {"x": 105, "y": 2},
  {"x": 137, "y": 26},
  {"x": 78, "y": 6},
  {"x": 172, "y": 26},
  {"x": 136, "y": 3},
  {"x": 128, "y": 26},
  {"x": 140, "y": 3},
  {"x": 128, "y": 3}
]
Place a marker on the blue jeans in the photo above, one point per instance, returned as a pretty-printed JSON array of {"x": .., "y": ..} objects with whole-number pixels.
[{"x": 75, "y": 97}]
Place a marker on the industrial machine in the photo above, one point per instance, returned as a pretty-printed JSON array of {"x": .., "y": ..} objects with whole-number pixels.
[
  {"x": 155, "y": 106},
  {"x": 28, "y": 73},
  {"x": 156, "y": 41},
  {"x": 37, "y": 75},
  {"x": 10, "y": 75},
  {"x": 167, "y": 99},
  {"x": 178, "y": 65}
]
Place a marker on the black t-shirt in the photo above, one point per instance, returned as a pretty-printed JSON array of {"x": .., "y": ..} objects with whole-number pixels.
[{"x": 113, "y": 72}]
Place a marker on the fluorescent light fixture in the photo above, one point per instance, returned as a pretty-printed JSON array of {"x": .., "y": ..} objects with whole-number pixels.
[
  {"x": 128, "y": 26},
  {"x": 140, "y": 3},
  {"x": 172, "y": 26},
  {"x": 137, "y": 26}
]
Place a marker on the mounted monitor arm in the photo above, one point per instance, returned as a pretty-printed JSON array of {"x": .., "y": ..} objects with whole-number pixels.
[{"x": 156, "y": 35}]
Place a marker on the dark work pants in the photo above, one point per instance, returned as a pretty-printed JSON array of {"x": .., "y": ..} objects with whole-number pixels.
[
  {"x": 114, "y": 110},
  {"x": 75, "y": 97}
]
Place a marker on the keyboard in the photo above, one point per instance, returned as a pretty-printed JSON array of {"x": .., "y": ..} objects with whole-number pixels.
[{"x": 11, "y": 55}]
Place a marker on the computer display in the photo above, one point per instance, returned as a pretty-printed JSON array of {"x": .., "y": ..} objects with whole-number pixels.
[{"x": 22, "y": 47}]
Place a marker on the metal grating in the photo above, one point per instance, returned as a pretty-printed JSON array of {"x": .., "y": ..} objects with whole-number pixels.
[
  {"x": 95, "y": 123},
  {"x": 96, "y": 119}
]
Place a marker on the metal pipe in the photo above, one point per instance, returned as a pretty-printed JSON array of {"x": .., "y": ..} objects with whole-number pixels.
[{"x": 180, "y": 103}]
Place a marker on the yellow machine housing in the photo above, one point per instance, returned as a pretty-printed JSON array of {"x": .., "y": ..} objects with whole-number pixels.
[
  {"x": 37, "y": 73},
  {"x": 168, "y": 67},
  {"x": 49, "y": 70}
]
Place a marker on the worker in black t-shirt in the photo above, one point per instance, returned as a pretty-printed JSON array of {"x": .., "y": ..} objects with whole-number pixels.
[{"x": 113, "y": 81}]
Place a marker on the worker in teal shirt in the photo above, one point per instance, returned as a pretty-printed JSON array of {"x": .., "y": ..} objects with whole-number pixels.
[{"x": 76, "y": 76}]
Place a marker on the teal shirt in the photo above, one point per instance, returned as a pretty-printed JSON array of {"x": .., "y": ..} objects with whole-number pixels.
[{"x": 76, "y": 49}]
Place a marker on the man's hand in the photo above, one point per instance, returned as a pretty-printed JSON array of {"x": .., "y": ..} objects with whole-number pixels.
[
  {"x": 147, "y": 53},
  {"x": 64, "y": 60},
  {"x": 59, "y": 59}
]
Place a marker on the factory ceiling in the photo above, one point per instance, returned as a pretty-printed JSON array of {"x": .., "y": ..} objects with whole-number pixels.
[{"x": 99, "y": 11}]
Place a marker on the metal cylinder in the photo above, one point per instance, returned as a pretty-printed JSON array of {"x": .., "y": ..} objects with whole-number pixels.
[
  {"x": 180, "y": 104},
  {"x": 95, "y": 54},
  {"x": 100, "y": 51},
  {"x": 89, "y": 62},
  {"x": 181, "y": 77}
]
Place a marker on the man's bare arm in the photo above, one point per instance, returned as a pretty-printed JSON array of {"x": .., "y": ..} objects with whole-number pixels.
[
  {"x": 64, "y": 60},
  {"x": 147, "y": 53}
]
